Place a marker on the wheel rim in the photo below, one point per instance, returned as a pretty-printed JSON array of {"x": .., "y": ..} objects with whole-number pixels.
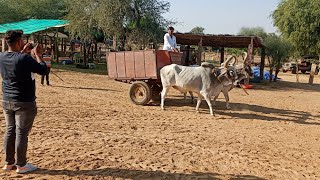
[{"x": 139, "y": 93}]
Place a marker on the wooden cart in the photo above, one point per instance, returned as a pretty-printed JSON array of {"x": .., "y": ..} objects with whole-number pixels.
[{"x": 141, "y": 69}]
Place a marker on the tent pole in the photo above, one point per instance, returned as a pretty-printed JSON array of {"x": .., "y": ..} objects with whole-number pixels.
[
  {"x": 221, "y": 55},
  {"x": 199, "y": 52},
  {"x": 262, "y": 64},
  {"x": 57, "y": 46},
  {"x": 3, "y": 45}
]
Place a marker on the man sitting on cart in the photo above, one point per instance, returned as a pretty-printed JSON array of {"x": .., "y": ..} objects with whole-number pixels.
[{"x": 170, "y": 43}]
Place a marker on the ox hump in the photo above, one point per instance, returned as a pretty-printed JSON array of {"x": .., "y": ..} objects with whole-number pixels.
[{"x": 207, "y": 65}]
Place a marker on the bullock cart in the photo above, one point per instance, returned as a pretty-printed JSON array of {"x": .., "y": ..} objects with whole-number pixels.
[{"x": 142, "y": 70}]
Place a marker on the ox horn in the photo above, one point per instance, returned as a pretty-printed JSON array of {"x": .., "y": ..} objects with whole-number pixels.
[
  {"x": 245, "y": 56},
  {"x": 226, "y": 64},
  {"x": 234, "y": 61}
]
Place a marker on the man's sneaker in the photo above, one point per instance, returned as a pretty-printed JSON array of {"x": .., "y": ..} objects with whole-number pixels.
[
  {"x": 26, "y": 168},
  {"x": 8, "y": 167}
]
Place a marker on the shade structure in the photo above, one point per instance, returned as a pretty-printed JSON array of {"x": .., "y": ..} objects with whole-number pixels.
[
  {"x": 228, "y": 41},
  {"x": 33, "y": 25}
]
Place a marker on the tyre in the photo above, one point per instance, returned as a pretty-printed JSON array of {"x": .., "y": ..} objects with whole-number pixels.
[
  {"x": 303, "y": 71},
  {"x": 294, "y": 71},
  {"x": 140, "y": 93},
  {"x": 317, "y": 71}
]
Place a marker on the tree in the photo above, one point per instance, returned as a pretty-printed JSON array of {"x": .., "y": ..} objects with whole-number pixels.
[
  {"x": 27, "y": 9},
  {"x": 197, "y": 30},
  {"x": 135, "y": 23},
  {"x": 277, "y": 50},
  {"x": 253, "y": 31},
  {"x": 298, "y": 21},
  {"x": 234, "y": 51}
]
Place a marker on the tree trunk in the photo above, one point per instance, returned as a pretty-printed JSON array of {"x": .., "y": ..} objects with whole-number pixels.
[
  {"x": 276, "y": 73},
  {"x": 96, "y": 50},
  {"x": 65, "y": 46},
  {"x": 271, "y": 69},
  {"x": 270, "y": 77},
  {"x": 92, "y": 52},
  {"x": 297, "y": 74},
  {"x": 57, "y": 49},
  {"x": 85, "y": 60},
  {"x": 114, "y": 42},
  {"x": 312, "y": 73}
]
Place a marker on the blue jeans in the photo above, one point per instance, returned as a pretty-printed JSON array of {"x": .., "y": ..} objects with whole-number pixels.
[{"x": 19, "y": 118}]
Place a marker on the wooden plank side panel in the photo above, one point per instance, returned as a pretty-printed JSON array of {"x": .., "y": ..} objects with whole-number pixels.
[
  {"x": 150, "y": 64},
  {"x": 139, "y": 64},
  {"x": 121, "y": 65},
  {"x": 176, "y": 57},
  {"x": 112, "y": 66},
  {"x": 163, "y": 58},
  {"x": 129, "y": 59}
]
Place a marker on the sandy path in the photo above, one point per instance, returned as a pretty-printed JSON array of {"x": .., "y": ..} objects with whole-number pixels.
[{"x": 87, "y": 128}]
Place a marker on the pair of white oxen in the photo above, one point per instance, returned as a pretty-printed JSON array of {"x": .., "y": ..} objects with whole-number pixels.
[{"x": 205, "y": 80}]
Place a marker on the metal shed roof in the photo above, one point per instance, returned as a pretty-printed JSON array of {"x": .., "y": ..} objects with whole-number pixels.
[
  {"x": 230, "y": 41},
  {"x": 33, "y": 25}
]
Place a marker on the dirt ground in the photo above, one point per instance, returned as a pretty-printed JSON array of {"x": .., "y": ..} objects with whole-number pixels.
[{"x": 87, "y": 128}]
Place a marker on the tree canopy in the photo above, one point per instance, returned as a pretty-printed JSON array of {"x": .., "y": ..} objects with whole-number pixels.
[
  {"x": 299, "y": 22},
  {"x": 197, "y": 30},
  {"x": 134, "y": 22},
  {"x": 253, "y": 31},
  {"x": 27, "y": 9},
  {"x": 278, "y": 49}
]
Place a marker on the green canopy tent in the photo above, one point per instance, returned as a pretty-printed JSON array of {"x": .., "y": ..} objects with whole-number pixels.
[{"x": 33, "y": 27}]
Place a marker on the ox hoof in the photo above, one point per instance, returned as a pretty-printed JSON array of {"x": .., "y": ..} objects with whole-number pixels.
[{"x": 198, "y": 111}]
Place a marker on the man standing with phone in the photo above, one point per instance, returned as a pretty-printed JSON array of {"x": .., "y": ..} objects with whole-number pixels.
[{"x": 18, "y": 88}]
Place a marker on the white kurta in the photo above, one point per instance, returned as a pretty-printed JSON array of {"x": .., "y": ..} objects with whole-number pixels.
[{"x": 169, "y": 42}]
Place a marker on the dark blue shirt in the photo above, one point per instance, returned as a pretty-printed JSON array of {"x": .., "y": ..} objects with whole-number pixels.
[{"x": 18, "y": 82}]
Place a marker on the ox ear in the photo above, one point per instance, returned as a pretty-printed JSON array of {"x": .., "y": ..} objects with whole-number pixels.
[
  {"x": 222, "y": 73},
  {"x": 225, "y": 80}
]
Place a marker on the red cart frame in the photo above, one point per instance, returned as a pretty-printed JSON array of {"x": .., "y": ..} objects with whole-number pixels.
[{"x": 142, "y": 70}]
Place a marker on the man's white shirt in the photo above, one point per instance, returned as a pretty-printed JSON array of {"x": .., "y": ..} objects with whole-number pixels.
[{"x": 169, "y": 42}]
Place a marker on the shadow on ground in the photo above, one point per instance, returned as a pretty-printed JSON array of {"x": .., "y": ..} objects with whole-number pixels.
[
  {"x": 141, "y": 174},
  {"x": 248, "y": 111},
  {"x": 85, "y": 88}
]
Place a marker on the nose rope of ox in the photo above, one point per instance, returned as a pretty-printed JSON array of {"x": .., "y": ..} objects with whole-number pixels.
[
  {"x": 243, "y": 89},
  {"x": 57, "y": 76}
]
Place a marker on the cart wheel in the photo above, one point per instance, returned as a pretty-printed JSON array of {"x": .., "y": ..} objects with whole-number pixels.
[{"x": 140, "y": 93}]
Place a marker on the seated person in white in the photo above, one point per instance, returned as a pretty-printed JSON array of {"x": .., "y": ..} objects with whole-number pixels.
[{"x": 170, "y": 43}]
